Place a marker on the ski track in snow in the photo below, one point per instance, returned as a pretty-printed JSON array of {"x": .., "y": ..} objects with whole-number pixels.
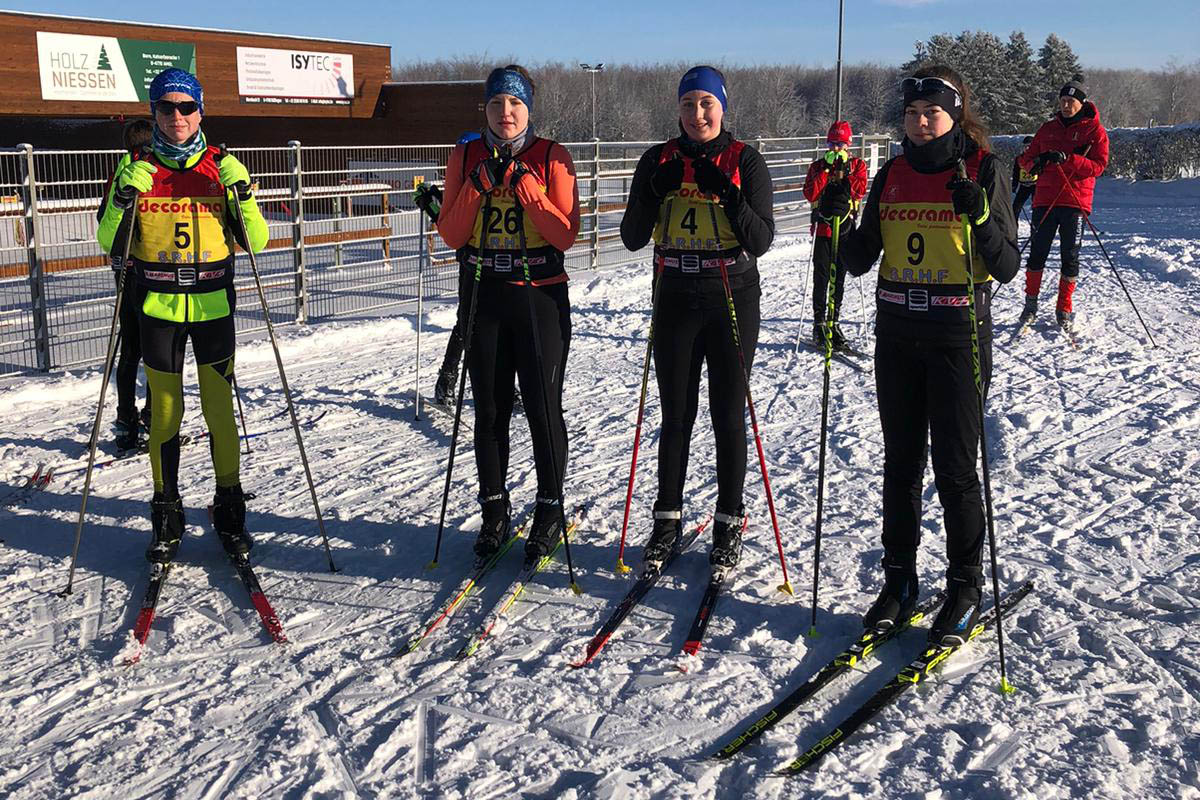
[{"x": 1094, "y": 458}]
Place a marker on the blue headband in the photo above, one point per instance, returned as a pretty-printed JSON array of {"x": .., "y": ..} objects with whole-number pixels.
[
  {"x": 706, "y": 79},
  {"x": 174, "y": 79},
  {"x": 507, "y": 81}
]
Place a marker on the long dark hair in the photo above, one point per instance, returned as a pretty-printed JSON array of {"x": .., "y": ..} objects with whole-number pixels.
[{"x": 972, "y": 126}]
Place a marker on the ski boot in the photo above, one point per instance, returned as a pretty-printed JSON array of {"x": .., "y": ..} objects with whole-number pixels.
[
  {"x": 839, "y": 338},
  {"x": 819, "y": 333},
  {"x": 443, "y": 390},
  {"x": 960, "y": 612},
  {"x": 144, "y": 417},
  {"x": 727, "y": 539},
  {"x": 899, "y": 595},
  {"x": 229, "y": 518},
  {"x": 166, "y": 515},
  {"x": 1066, "y": 321},
  {"x": 545, "y": 530},
  {"x": 668, "y": 525},
  {"x": 497, "y": 522},
  {"x": 1029, "y": 313},
  {"x": 126, "y": 434}
]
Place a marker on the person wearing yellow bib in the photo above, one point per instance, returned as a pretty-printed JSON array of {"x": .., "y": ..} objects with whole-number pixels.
[
  {"x": 180, "y": 202},
  {"x": 706, "y": 200},
  {"x": 924, "y": 365}
]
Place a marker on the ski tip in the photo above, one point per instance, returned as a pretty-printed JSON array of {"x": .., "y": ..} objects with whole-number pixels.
[
  {"x": 1007, "y": 688},
  {"x": 691, "y": 648},
  {"x": 812, "y": 632},
  {"x": 622, "y": 568},
  {"x": 579, "y": 664},
  {"x": 786, "y": 588},
  {"x": 576, "y": 588}
]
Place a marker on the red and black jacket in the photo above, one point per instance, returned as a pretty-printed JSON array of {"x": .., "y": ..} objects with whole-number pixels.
[{"x": 1072, "y": 183}]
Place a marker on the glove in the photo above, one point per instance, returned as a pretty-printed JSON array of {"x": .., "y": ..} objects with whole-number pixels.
[
  {"x": 132, "y": 179},
  {"x": 234, "y": 175},
  {"x": 429, "y": 199},
  {"x": 1050, "y": 157},
  {"x": 710, "y": 179},
  {"x": 519, "y": 171},
  {"x": 834, "y": 201},
  {"x": 666, "y": 178},
  {"x": 833, "y": 156},
  {"x": 969, "y": 198},
  {"x": 489, "y": 173}
]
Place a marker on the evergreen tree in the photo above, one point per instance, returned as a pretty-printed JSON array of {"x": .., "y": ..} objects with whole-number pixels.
[
  {"x": 1059, "y": 65},
  {"x": 102, "y": 62},
  {"x": 1027, "y": 109}
]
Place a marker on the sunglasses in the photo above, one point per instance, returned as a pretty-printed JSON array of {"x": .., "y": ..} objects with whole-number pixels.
[
  {"x": 923, "y": 85},
  {"x": 167, "y": 107}
]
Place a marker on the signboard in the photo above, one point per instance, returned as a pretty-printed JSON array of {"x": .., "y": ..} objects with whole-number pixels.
[
  {"x": 294, "y": 77},
  {"x": 105, "y": 69}
]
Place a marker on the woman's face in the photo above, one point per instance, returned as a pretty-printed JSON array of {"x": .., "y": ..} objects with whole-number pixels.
[
  {"x": 700, "y": 113},
  {"x": 925, "y": 121},
  {"x": 175, "y": 126},
  {"x": 1068, "y": 106},
  {"x": 507, "y": 116}
]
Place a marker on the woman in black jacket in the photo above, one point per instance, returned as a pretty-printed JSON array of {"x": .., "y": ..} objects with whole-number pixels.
[
  {"x": 924, "y": 367},
  {"x": 706, "y": 199}
]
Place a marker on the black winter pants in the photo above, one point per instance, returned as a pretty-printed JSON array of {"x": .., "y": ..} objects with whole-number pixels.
[
  {"x": 1019, "y": 199},
  {"x": 927, "y": 403},
  {"x": 130, "y": 355},
  {"x": 1056, "y": 220},
  {"x": 822, "y": 258}
]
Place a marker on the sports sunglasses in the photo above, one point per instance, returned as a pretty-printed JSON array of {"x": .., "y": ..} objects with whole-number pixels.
[{"x": 167, "y": 107}]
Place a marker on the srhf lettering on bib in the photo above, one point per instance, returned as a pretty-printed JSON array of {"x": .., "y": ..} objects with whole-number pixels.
[
  {"x": 690, "y": 225},
  {"x": 922, "y": 236}
]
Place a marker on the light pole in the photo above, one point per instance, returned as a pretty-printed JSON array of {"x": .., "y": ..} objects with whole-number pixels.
[
  {"x": 593, "y": 69},
  {"x": 838, "y": 104}
]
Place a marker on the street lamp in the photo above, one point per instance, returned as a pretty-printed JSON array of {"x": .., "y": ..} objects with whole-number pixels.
[
  {"x": 838, "y": 104},
  {"x": 593, "y": 69}
]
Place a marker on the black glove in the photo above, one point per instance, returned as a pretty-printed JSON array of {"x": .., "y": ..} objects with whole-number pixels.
[
  {"x": 428, "y": 198},
  {"x": 710, "y": 179},
  {"x": 518, "y": 170},
  {"x": 834, "y": 200},
  {"x": 969, "y": 198},
  {"x": 666, "y": 178},
  {"x": 1050, "y": 157},
  {"x": 490, "y": 170}
]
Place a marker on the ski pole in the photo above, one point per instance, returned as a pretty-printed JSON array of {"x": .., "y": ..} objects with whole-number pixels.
[
  {"x": 539, "y": 362},
  {"x": 287, "y": 392},
  {"x": 1117, "y": 273},
  {"x": 237, "y": 392},
  {"x": 621, "y": 568},
  {"x": 131, "y": 218},
  {"x": 968, "y": 246},
  {"x": 786, "y": 586}
]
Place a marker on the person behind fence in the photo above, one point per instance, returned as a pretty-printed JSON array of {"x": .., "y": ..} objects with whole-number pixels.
[
  {"x": 510, "y": 196},
  {"x": 129, "y": 426},
  {"x": 835, "y": 165},
  {"x": 925, "y": 375},
  {"x": 706, "y": 199},
  {"x": 179, "y": 202},
  {"x": 1024, "y": 183},
  {"x": 1067, "y": 154}
]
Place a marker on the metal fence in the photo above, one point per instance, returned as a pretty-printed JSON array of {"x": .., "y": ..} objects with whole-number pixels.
[{"x": 345, "y": 239}]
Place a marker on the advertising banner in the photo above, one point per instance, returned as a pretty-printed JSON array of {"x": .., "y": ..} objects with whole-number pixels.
[
  {"x": 291, "y": 77},
  {"x": 105, "y": 69}
]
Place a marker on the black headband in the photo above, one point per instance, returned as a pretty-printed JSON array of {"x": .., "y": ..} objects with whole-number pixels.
[{"x": 934, "y": 90}]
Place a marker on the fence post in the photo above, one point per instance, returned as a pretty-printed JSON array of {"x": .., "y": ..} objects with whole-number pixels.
[
  {"x": 33, "y": 247},
  {"x": 422, "y": 254},
  {"x": 595, "y": 247},
  {"x": 297, "y": 188}
]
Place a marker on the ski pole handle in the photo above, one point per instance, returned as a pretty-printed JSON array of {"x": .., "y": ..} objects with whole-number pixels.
[{"x": 240, "y": 187}]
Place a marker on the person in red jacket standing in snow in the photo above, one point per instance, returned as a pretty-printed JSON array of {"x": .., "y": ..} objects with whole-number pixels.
[
  {"x": 1067, "y": 154},
  {"x": 846, "y": 175}
]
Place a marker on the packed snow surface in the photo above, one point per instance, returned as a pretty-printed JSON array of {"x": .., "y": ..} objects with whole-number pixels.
[{"x": 1093, "y": 457}]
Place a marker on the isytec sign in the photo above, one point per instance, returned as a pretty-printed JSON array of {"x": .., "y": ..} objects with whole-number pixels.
[
  {"x": 105, "y": 69},
  {"x": 294, "y": 77}
]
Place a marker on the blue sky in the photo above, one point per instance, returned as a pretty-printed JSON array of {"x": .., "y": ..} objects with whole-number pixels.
[{"x": 1104, "y": 33}]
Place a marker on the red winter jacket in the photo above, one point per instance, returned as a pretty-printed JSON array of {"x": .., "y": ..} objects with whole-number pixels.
[
  {"x": 1079, "y": 170},
  {"x": 817, "y": 177}
]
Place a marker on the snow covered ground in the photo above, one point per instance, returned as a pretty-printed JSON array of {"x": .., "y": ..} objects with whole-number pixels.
[{"x": 1094, "y": 460}]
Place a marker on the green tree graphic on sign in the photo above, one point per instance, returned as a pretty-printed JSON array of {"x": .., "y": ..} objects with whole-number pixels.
[{"x": 103, "y": 62}]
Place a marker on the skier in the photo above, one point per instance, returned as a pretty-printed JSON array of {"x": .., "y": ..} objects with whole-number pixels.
[
  {"x": 136, "y": 135},
  {"x": 508, "y": 196},
  {"x": 924, "y": 371},
  {"x": 706, "y": 198},
  {"x": 1067, "y": 154},
  {"x": 836, "y": 164},
  {"x": 183, "y": 251},
  {"x": 1023, "y": 183}
]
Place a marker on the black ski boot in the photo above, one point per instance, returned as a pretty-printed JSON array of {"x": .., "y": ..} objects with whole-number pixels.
[
  {"x": 545, "y": 531},
  {"x": 1065, "y": 320},
  {"x": 126, "y": 434},
  {"x": 899, "y": 595},
  {"x": 839, "y": 338},
  {"x": 960, "y": 612},
  {"x": 229, "y": 518},
  {"x": 668, "y": 524},
  {"x": 727, "y": 539},
  {"x": 166, "y": 515},
  {"x": 144, "y": 418},
  {"x": 819, "y": 333},
  {"x": 1029, "y": 313},
  {"x": 497, "y": 522},
  {"x": 443, "y": 390}
]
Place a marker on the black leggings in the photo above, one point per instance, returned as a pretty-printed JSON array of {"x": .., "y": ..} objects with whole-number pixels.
[
  {"x": 1019, "y": 199},
  {"x": 501, "y": 352},
  {"x": 690, "y": 330},
  {"x": 927, "y": 402},
  {"x": 822, "y": 258},
  {"x": 131, "y": 347},
  {"x": 1046, "y": 223}
]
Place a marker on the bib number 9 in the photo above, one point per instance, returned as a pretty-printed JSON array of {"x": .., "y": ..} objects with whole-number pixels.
[{"x": 916, "y": 249}]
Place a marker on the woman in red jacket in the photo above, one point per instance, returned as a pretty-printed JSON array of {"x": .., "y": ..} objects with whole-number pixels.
[
  {"x": 1067, "y": 154},
  {"x": 837, "y": 166},
  {"x": 510, "y": 195}
]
